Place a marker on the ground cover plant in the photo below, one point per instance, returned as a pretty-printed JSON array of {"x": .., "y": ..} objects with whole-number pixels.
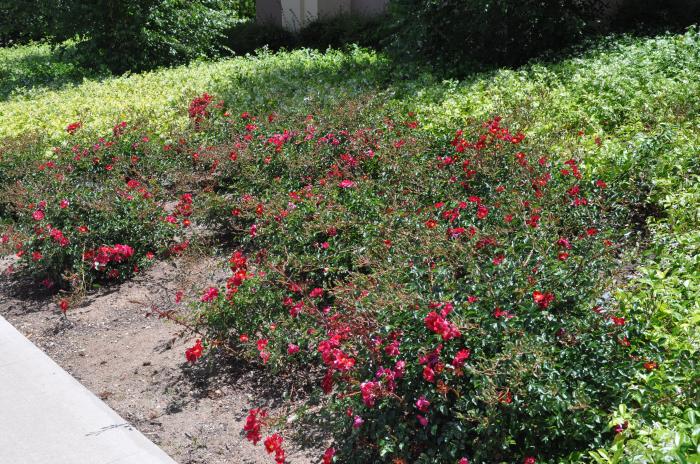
[
  {"x": 294, "y": 82},
  {"x": 457, "y": 286},
  {"x": 441, "y": 316},
  {"x": 93, "y": 213}
]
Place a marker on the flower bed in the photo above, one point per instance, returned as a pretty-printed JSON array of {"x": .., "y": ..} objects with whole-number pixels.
[
  {"x": 93, "y": 213},
  {"x": 442, "y": 292},
  {"x": 325, "y": 223}
]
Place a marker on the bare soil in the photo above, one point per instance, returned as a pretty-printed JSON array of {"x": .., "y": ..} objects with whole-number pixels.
[{"x": 136, "y": 363}]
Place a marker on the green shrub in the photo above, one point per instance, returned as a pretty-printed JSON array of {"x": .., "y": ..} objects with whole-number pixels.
[
  {"x": 133, "y": 35},
  {"x": 664, "y": 295},
  {"x": 344, "y": 30},
  {"x": 385, "y": 255},
  {"x": 645, "y": 15},
  {"x": 338, "y": 32},
  {"x": 22, "y": 21},
  {"x": 474, "y": 33},
  {"x": 249, "y": 36},
  {"x": 94, "y": 212}
]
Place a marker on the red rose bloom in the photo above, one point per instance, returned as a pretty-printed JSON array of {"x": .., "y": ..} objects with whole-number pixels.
[
  {"x": 328, "y": 456},
  {"x": 461, "y": 357},
  {"x": 209, "y": 295},
  {"x": 194, "y": 353},
  {"x": 543, "y": 300},
  {"x": 650, "y": 365},
  {"x": 252, "y": 425},
  {"x": 422, "y": 404},
  {"x": 73, "y": 127},
  {"x": 316, "y": 293},
  {"x": 273, "y": 444}
]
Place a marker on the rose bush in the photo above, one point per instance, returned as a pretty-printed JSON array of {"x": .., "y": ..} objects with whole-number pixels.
[
  {"x": 96, "y": 211},
  {"x": 445, "y": 293},
  {"x": 442, "y": 293}
]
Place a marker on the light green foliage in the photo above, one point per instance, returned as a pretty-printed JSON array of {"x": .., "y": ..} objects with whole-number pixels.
[
  {"x": 670, "y": 441},
  {"x": 618, "y": 88},
  {"x": 284, "y": 82},
  {"x": 666, "y": 295}
]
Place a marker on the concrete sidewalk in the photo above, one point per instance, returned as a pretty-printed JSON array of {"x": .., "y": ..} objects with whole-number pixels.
[{"x": 48, "y": 417}]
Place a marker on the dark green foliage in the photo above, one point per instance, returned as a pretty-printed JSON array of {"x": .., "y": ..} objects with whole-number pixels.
[
  {"x": 246, "y": 37},
  {"x": 126, "y": 34},
  {"x": 455, "y": 32},
  {"x": 21, "y": 21},
  {"x": 656, "y": 14},
  {"x": 463, "y": 35},
  {"x": 348, "y": 29},
  {"x": 129, "y": 35}
]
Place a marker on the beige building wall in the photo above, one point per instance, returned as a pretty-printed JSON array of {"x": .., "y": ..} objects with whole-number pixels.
[
  {"x": 298, "y": 13},
  {"x": 331, "y": 8},
  {"x": 295, "y": 14},
  {"x": 269, "y": 12}
]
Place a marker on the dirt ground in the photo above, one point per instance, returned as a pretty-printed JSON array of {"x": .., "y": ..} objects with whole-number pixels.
[{"x": 136, "y": 364}]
